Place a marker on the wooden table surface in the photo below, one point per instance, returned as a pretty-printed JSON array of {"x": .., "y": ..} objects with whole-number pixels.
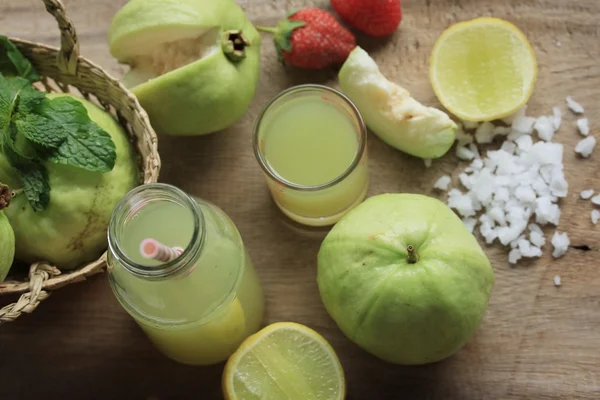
[{"x": 537, "y": 341}]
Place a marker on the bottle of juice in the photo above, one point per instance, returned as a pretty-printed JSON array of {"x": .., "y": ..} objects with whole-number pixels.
[{"x": 198, "y": 297}]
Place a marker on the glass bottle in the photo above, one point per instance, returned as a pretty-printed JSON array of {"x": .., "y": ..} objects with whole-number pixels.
[{"x": 200, "y": 306}]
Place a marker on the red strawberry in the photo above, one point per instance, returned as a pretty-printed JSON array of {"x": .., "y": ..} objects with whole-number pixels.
[
  {"x": 312, "y": 38},
  {"x": 373, "y": 17}
]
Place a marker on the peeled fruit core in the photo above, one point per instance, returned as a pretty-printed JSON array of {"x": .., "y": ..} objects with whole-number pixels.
[{"x": 171, "y": 55}]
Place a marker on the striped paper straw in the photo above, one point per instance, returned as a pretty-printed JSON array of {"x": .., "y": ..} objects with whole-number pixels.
[{"x": 155, "y": 250}]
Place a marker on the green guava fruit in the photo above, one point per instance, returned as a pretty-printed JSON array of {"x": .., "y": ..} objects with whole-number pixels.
[
  {"x": 404, "y": 278},
  {"x": 391, "y": 113},
  {"x": 72, "y": 229},
  {"x": 194, "y": 64},
  {"x": 7, "y": 236}
]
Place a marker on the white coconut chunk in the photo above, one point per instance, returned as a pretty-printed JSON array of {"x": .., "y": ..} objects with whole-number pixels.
[
  {"x": 524, "y": 143},
  {"x": 477, "y": 164},
  {"x": 545, "y": 128},
  {"x": 574, "y": 106},
  {"x": 507, "y": 234},
  {"x": 586, "y": 194},
  {"x": 513, "y": 256},
  {"x": 537, "y": 239},
  {"x": 545, "y": 153},
  {"x": 509, "y": 147},
  {"x": 485, "y": 133},
  {"x": 470, "y": 124},
  {"x": 523, "y": 124},
  {"x": 558, "y": 184},
  {"x": 584, "y": 126},
  {"x": 525, "y": 194},
  {"x": 462, "y": 204},
  {"x": 474, "y": 149},
  {"x": 502, "y": 130},
  {"x": 546, "y": 211},
  {"x": 502, "y": 194},
  {"x": 527, "y": 250},
  {"x": 464, "y": 153},
  {"x": 595, "y": 216},
  {"x": 596, "y": 200},
  {"x": 557, "y": 280},
  {"x": 556, "y": 117},
  {"x": 470, "y": 223},
  {"x": 586, "y": 146},
  {"x": 560, "y": 242},
  {"x": 535, "y": 228},
  {"x": 497, "y": 214},
  {"x": 465, "y": 180},
  {"x": 463, "y": 138},
  {"x": 515, "y": 243},
  {"x": 443, "y": 183}
]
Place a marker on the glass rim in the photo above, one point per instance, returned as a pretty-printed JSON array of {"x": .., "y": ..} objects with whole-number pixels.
[
  {"x": 294, "y": 186},
  {"x": 190, "y": 252}
]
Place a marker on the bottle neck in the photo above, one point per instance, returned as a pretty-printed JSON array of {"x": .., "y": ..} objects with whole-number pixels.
[{"x": 131, "y": 206}]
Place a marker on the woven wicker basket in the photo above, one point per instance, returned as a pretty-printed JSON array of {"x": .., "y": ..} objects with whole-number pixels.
[{"x": 63, "y": 70}]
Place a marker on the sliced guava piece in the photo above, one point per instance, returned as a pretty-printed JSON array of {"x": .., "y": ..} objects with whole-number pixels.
[{"x": 391, "y": 113}]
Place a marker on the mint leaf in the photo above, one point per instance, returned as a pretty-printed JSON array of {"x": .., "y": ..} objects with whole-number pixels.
[
  {"x": 87, "y": 145},
  {"x": 13, "y": 63},
  {"x": 9, "y": 93},
  {"x": 41, "y": 131},
  {"x": 90, "y": 148},
  {"x": 33, "y": 176},
  {"x": 34, "y": 179},
  {"x": 14, "y": 156},
  {"x": 29, "y": 100}
]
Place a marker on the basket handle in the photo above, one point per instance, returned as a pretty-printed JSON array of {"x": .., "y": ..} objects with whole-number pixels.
[
  {"x": 69, "y": 43},
  {"x": 38, "y": 274}
]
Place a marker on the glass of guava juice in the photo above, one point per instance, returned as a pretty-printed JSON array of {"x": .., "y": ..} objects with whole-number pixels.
[
  {"x": 198, "y": 304},
  {"x": 311, "y": 143}
]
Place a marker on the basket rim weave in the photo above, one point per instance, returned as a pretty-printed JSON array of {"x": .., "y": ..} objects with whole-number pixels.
[{"x": 42, "y": 276}]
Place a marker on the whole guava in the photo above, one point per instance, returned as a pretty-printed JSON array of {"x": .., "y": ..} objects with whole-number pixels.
[
  {"x": 72, "y": 229},
  {"x": 7, "y": 246},
  {"x": 194, "y": 63},
  {"x": 403, "y": 277}
]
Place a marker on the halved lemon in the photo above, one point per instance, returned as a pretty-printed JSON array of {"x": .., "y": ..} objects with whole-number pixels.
[
  {"x": 483, "y": 69},
  {"x": 284, "y": 361}
]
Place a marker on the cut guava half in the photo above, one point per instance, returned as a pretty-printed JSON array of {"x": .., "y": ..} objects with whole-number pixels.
[{"x": 194, "y": 64}]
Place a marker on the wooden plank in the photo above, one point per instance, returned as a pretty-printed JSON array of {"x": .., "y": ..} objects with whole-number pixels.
[{"x": 537, "y": 341}]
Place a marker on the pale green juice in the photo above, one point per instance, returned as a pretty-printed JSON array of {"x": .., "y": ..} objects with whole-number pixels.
[
  {"x": 201, "y": 316},
  {"x": 311, "y": 141}
]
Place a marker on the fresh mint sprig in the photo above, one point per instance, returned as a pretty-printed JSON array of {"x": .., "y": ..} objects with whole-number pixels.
[{"x": 56, "y": 130}]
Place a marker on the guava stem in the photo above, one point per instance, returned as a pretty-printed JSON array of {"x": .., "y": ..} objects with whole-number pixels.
[
  {"x": 5, "y": 196},
  {"x": 267, "y": 29},
  {"x": 412, "y": 257}
]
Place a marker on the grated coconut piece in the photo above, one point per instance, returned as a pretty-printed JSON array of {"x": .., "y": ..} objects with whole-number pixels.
[
  {"x": 574, "y": 106},
  {"x": 596, "y": 200},
  {"x": 556, "y": 117},
  {"x": 586, "y": 194},
  {"x": 485, "y": 133},
  {"x": 584, "y": 126},
  {"x": 595, "y": 217},
  {"x": 556, "y": 280},
  {"x": 442, "y": 183},
  {"x": 560, "y": 242},
  {"x": 545, "y": 128},
  {"x": 586, "y": 146}
]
